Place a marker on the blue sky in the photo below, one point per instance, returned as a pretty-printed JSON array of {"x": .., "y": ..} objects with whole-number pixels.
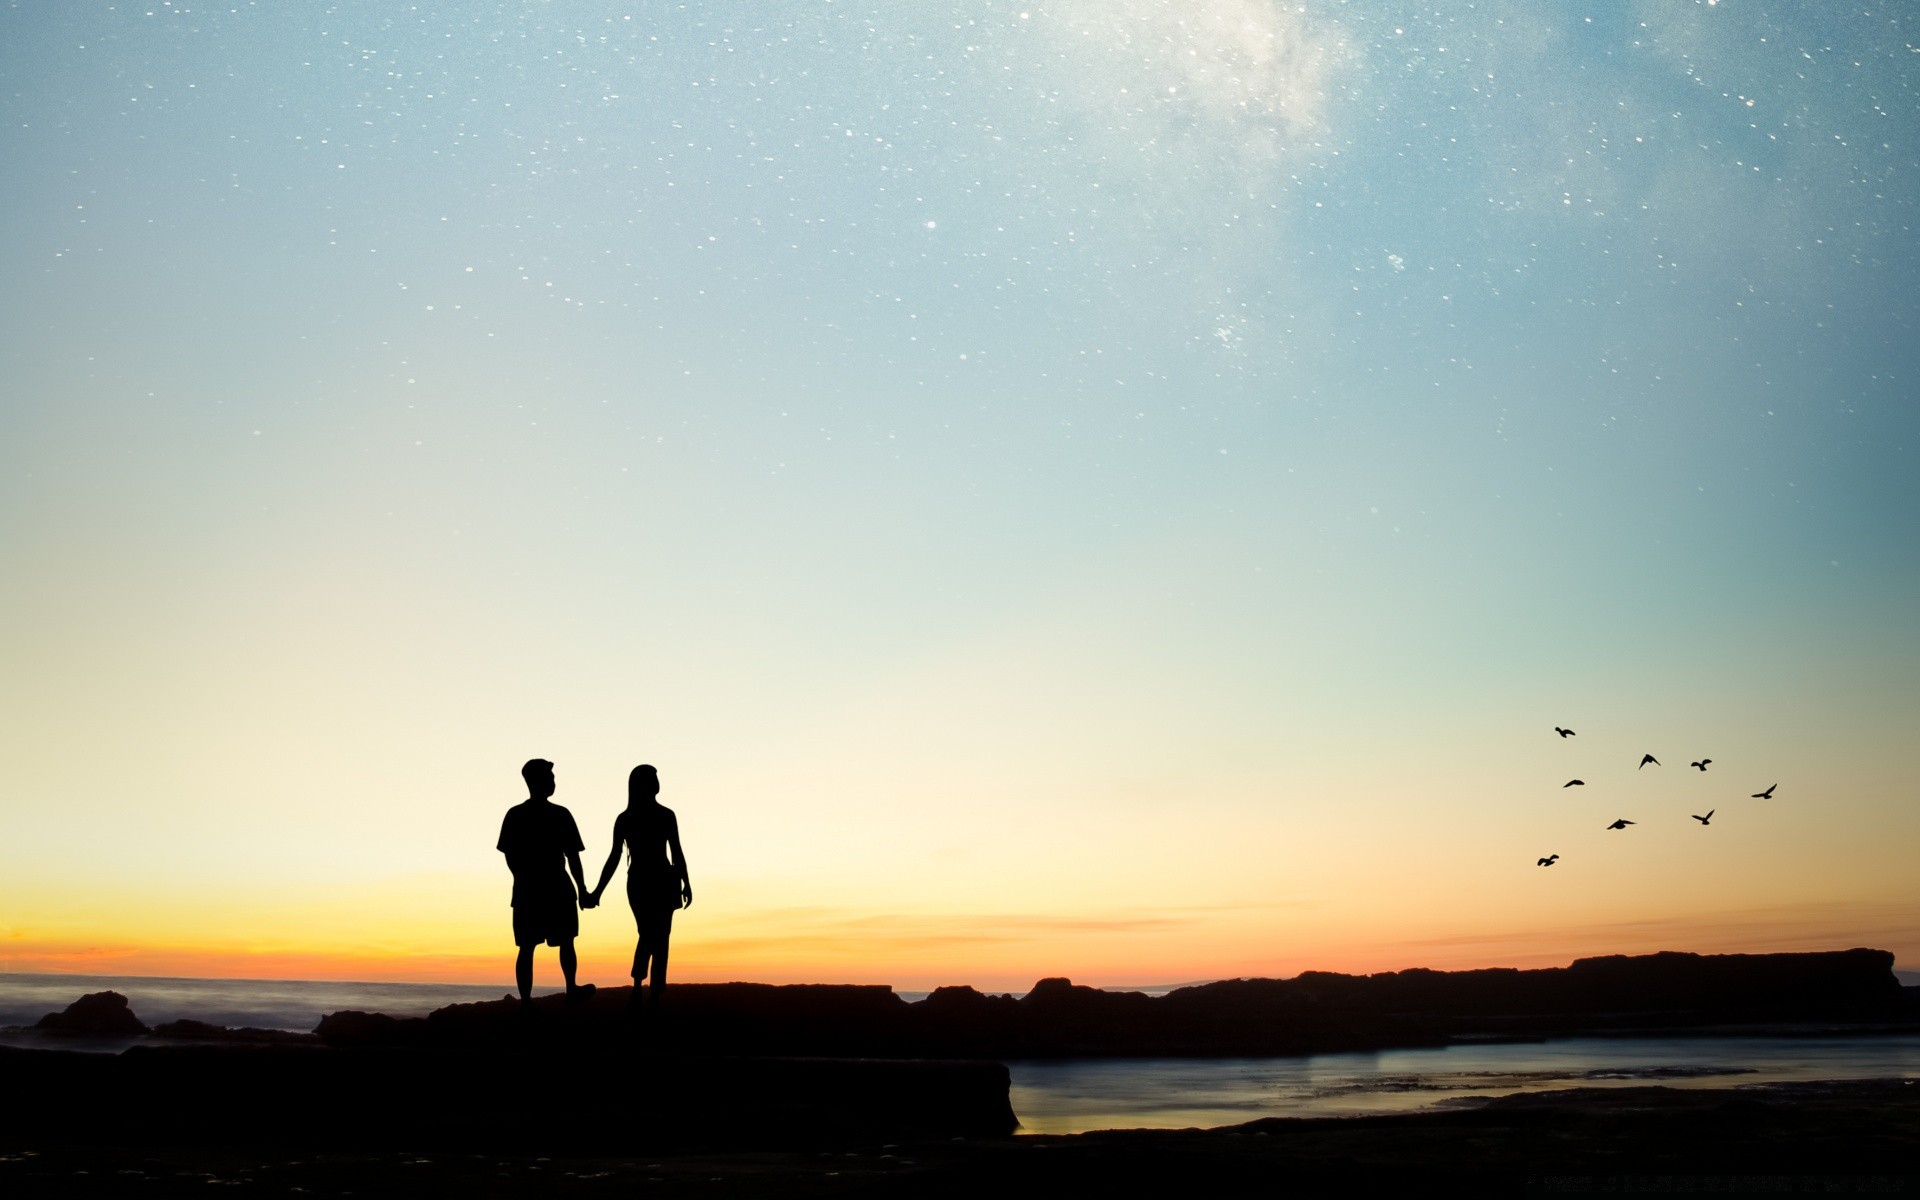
[{"x": 933, "y": 432}]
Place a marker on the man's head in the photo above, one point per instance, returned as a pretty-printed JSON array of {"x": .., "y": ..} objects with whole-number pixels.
[{"x": 539, "y": 776}]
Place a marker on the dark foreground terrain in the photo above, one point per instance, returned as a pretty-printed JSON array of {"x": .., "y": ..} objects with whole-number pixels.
[
  {"x": 1856, "y": 1138},
  {"x": 747, "y": 1089}
]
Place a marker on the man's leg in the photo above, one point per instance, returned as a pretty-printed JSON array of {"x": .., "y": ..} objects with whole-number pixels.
[
  {"x": 523, "y": 974},
  {"x": 569, "y": 965}
]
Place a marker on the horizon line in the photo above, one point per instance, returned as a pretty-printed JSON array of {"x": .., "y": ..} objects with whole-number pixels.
[{"x": 7, "y": 970}]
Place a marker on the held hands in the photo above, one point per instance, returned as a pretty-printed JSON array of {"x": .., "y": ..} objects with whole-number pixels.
[{"x": 592, "y": 899}]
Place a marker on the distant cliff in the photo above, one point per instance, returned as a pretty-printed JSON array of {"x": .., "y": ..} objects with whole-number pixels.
[
  {"x": 1315, "y": 1012},
  {"x": 1320, "y": 1011}
]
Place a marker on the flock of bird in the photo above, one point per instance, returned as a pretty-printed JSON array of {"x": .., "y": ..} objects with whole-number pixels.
[{"x": 1647, "y": 760}]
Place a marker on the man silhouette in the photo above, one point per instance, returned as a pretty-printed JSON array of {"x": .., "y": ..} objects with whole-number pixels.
[{"x": 543, "y": 846}]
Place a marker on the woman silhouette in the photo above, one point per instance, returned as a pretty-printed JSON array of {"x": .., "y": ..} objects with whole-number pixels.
[{"x": 656, "y": 876}]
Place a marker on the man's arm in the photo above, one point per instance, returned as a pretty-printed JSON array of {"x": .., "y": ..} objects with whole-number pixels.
[
  {"x": 570, "y": 842},
  {"x": 587, "y": 899}
]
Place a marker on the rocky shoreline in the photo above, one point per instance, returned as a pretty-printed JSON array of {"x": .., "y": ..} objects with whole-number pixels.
[
  {"x": 733, "y": 1073},
  {"x": 1316, "y": 1012}
]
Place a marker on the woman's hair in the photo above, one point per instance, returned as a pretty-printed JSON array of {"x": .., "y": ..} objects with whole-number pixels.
[{"x": 643, "y": 782}]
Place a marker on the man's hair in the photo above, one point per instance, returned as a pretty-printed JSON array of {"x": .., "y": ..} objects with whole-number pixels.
[{"x": 535, "y": 768}]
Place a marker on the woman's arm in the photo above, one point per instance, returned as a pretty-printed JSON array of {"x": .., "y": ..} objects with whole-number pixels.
[
  {"x": 613, "y": 860},
  {"x": 679, "y": 859}
]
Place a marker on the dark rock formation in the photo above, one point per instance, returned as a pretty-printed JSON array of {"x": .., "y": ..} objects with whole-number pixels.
[
  {"x": 190, "y": 1030},
  {"x": 1646, "y": 992},
  {"x": 717, "y": 1018},
  {"x": 1726, "y": 987},
  {"x": 1316, "y": 1012},
  {"x": 99, "y": 1014},
  {"x": 351, "y": 1027}
]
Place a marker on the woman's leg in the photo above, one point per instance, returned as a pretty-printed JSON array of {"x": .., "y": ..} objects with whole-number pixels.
[
  {"x": 662, "y": 932},
  {"x": 641, "y": 948}
]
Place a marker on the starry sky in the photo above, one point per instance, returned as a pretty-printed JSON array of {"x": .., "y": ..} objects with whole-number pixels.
[{"x": 1119, "y": 488}]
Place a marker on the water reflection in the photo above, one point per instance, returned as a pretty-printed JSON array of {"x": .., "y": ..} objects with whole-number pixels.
[{"x": 1078, "y": 1095}]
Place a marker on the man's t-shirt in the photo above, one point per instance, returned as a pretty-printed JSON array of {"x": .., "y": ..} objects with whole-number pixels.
[{"x": 536, "y": 837}]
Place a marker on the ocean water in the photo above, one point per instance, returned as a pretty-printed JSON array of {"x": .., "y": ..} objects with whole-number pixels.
[
  {"x": 296, "y": 1004},
  {"x": 1078, "y": 1095}
]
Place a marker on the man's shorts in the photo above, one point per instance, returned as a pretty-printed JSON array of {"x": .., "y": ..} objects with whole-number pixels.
[{"x": 551, "y": 917}]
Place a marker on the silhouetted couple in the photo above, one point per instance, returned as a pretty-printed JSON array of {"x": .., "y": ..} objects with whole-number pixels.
[{"x": 543, "y": 846}]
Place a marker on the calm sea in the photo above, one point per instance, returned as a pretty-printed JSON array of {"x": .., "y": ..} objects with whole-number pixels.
[{"x": 296, "y": 1004}]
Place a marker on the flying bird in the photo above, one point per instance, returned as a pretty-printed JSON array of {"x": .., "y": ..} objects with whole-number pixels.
[
  {"x": 1706, "y": 820},
  {"x": 1647, "y": 758},
  {"x": 1702, "y": 764},
  {"x": 1622, "y": 823},
  {"x": 1565, "y": 733},
  {"x": 1549, "y": 860},
  {"x": 1574, "y": 783},
  {"x": 1766, "y": 795}
]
